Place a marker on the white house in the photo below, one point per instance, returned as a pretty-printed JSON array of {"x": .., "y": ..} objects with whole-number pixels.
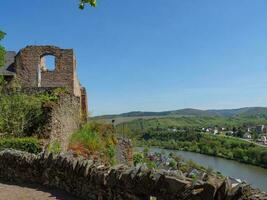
[
  {"x": 247, "y": 135},
  {"x": 264, "y": 139}
]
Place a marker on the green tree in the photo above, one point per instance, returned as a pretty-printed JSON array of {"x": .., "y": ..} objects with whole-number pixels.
[
  {"x": 89, "y": 2},
  {"x": 2, "y": 49}
]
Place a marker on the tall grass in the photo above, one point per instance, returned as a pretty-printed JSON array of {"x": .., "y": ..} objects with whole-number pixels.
[
  {"x": 88, "y": 138},
  {"x": 95, "y": 140}
]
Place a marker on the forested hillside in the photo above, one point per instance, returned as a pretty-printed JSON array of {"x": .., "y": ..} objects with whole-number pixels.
[{"x": 136, "y": 127}]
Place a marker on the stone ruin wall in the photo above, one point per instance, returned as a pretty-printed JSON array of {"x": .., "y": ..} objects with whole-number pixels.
[
  {"x": 71, "y": 110},
  {"x": 124, "y": 151},
  {"x": 28, "y": 63},
  {"x": 31, "y": 72},
  {"x": 65, "y": 119},
  {"x": 91, "y": 181},
  {"x": 63, "y": 116}
]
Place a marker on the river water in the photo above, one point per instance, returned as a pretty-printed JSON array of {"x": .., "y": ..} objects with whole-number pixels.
[{"x": 256, "y": 176}]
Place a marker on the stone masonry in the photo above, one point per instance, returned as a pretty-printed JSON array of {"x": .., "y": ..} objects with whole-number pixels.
[{"x": 27, "y": 67}]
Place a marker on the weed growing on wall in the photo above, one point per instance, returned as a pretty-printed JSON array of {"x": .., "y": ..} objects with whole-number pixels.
[{"x": 54, "y": 147}]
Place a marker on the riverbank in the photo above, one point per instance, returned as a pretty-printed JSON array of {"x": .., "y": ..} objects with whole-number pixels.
[
  {"x": 219, "y": 146},
  {"x": 171, "y": 147},
  {"x": 254, "y": 175}
]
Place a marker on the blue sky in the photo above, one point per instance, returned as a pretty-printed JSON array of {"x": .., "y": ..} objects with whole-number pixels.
[{"x": 153, "y": 55}]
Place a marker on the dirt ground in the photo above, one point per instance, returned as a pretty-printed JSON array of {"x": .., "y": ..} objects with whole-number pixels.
[{"x": 31, "y": 192}]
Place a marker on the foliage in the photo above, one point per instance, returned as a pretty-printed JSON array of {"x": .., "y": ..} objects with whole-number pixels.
[
  {"x": 95, "y": 138},
  {"x": 89, "y": 2},
  {"x": 28, "y": 144},
  {"x": 150, "y": 164},
  {"x": 139, "y": 127},
  {"x": 220, "y": 146},
  {"x": 2, "y": 50},
  {"x": 51, "y": 96},
  {"x": 138, "y": 158},
  {"x": 88, "y": 138},
  {"x": 54, "y": 147},
  {"x": 111, "y": 153},
  {"x": 47, "y": 97},
  {"x": 173, "y": 164},
  {"x": 23, "y": 114},
  {"x": 160, "y": 160},
  {"x": 188, "y": 136},
  {"x": 20, "y": 114}
]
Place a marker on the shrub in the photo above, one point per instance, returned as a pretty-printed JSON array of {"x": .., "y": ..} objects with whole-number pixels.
[
  {"x": 28, "y": 144},
  {"x": 95, "y": 139},
  {"x": 151, "y": 164},
  {"x": 54, "y": 147},
  {"x": 110, "y": 152},
  {"x": 173, "y": 164},
  {"x": 138, "y": 158},
  {"x": 88, "y": 138},
  {"x": 20, "y": 114}
]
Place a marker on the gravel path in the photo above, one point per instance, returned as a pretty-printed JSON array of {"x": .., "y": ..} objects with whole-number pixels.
[{"x": 31, "y": 192}]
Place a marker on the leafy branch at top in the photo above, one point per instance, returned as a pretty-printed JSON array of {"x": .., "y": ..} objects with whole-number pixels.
[
  {"x": 2, "y": 35},
  {"x": 2, "y": 49},
  {"x": 89, "y": 2}
]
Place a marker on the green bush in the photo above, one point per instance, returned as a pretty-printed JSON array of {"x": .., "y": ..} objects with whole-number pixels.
[
  {"x": 2, "y": 50},
  {"x": 28, "y": 144},
  {"x": 54, "y": 147},
  {"x": 173, "y": 164},
  {"x": 20, "y": 114},
  {"x": 95, "y": 139},
  {"x": 88, "y": 138},
  {"x": 138, "y": 158},
  {"x": 111, "y": 152}
]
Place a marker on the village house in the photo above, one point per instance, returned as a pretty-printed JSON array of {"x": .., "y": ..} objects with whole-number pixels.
[{"x": 247, "y": 136}]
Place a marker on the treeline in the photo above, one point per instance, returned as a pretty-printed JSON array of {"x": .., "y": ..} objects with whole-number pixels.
[{"x": 220, "y": 146}]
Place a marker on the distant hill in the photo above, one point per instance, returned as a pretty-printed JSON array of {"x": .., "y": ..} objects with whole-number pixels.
[{"x": 188, "y": 112}]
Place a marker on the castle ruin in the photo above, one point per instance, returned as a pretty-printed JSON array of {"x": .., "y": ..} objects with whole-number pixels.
[{"x": 28, "y": 68}]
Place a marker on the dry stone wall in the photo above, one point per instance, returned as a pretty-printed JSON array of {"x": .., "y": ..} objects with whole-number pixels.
[{"x": 92, "y": 181}]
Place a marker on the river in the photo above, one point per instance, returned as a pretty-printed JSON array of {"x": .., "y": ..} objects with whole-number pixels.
[{"x": 256, "y": 176}]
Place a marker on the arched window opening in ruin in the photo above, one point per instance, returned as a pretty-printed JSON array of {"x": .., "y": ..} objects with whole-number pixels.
[{"x": 48, "y": 63}]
